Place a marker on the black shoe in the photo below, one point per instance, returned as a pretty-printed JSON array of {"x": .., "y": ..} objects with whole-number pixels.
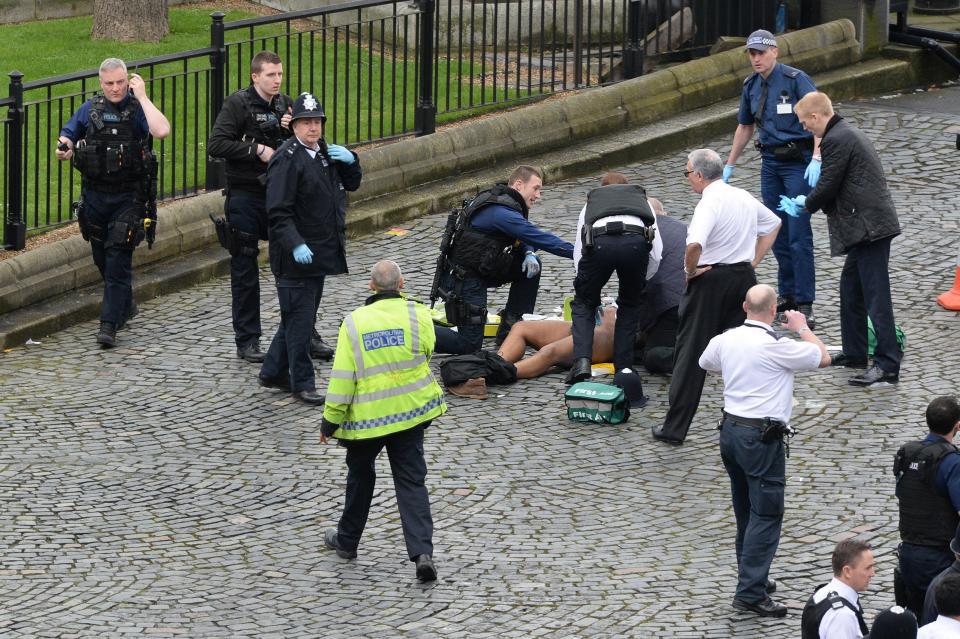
[
  {"x": 132, "y": 312},
  {"x": 766, "y": 608},
  {"x": 320, "y": 349},
  {"x": 426, "y": 571},
  {"x": 771, "y": 586},
  {"x": 507, "y": 320},
  {"x": 107, "y": 335},
  {"x": 657, "y": 432},
  {"x": 807, "y": 309},
  {"x": 786, "y": 303},
  {"x": 874, "y": 375},
  {"x": 331, "y": 541},
  {"x": 274, "y": 382},
  {"x": 311, "y": 397},
  {"x": 252, "y": 353},
  {"x": 579, "y": 371},
  {"x": 842, "y": 359}
]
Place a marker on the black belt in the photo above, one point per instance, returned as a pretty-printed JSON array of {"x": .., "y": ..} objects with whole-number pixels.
[
  {"x": 734, "y": 264},
  {"x": 805, "y": 144},
  {"x": 618, "y": 228},
  {"x": 753, "y": 422}
]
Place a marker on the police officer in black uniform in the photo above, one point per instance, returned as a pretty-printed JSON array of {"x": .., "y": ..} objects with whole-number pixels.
[
  {"x": 928, "y": 489},
  {"x": 251, "y": 125},
  {"x": 495, "y": 245},
  {"x": 108, "y": 138},
  {"x": 618, "y": 233},
  {"x": 307, "y": 181}
]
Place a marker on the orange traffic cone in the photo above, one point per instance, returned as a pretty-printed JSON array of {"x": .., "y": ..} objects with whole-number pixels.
[{"x": 951, "y": 299}]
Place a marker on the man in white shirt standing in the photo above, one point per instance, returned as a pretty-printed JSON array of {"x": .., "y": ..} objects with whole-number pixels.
[
  {"x": 834, "y": 612},
  {"x": 947, "y": 625},
  {"x": 729, "y": 234},
  {"x": 758, "y": 367}
]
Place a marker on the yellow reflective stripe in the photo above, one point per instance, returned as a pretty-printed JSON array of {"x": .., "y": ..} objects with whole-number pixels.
[
  {"x": 393, "y": 419},
  {"x": 395, "y": 391},
  {"x": 341, "y": 374},
  {"x": 394, "y": 367},
  {"x": 354, "y": 336}
]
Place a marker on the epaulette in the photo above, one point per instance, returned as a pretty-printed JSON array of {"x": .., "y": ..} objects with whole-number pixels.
[
  {"x": 750, "y": 77},
  {"x": 790, "y": 72}
]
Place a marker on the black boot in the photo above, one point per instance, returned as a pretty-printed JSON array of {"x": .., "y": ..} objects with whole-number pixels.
[
  {"x": 132, "y": 311},
  {"x": 107, "y": 335},
  {"x": 507, "y": 320},
  {"x": 319, "y": 349},
  {"x": 807, "y": 309},
  {"x": 580, "y": 370}
]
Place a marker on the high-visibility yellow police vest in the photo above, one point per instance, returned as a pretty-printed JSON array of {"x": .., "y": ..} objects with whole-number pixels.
[{"x": 381, "y": 381}]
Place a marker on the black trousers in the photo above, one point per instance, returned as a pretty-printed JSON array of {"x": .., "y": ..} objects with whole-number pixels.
[
  {"x": 289, "y": 352},
  {"x": 246, "y": 212},
  {"x": 405, "y": 451},
  {"x": 712, "y": 304},
  {"x": 661, "y": 338},
  {"x": 627, "y": 255},
  {"x": 865, "y": 290}
]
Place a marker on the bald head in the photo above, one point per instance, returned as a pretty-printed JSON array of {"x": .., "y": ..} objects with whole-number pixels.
[
  {"x": 761, "y": 303},
  {"x": 386, "y": 277}
]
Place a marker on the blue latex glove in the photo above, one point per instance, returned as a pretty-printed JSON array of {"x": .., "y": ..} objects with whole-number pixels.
[
  {"x": 530, "y": 266},
  {"x": 812, "y": 174},
  {"x": 792, "y": 206},
  {"x": 727, "y": 172},
  {"x": 303, "y": 255},
  {"x": 340, "y": 153}
]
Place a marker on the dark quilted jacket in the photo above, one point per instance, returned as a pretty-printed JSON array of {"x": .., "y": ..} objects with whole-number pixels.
[{"x": 852, "y": 190}]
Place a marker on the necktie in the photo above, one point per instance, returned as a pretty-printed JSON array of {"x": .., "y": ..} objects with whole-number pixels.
[{"x": 758, "y": 116}]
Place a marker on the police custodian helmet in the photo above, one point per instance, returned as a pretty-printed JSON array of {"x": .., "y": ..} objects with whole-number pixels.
[{"x": 306, "y": 106}]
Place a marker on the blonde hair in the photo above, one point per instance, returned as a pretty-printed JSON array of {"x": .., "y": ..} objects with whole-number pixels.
[{"x": 815, "y": 102}]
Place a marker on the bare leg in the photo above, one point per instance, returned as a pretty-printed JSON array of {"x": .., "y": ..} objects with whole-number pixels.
[
  {"x": 535, "y": 334},
  {"x": 560, "y": 353}
]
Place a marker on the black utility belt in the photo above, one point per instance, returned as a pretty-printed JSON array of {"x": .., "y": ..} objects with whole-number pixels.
[
  {"x": 804, "y": 144},
  {"x": 113, "y": 187},
  {"x": 731, "y": 265},
  {"x": 619, "y": 228},
  {"x": 754, "y": 422}
]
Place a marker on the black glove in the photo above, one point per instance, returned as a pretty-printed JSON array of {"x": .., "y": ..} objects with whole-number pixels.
[{"x": 328, "y": 427}]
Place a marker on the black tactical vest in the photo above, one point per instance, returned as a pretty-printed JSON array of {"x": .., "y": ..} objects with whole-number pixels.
[
  {"x": 813, "y": 614},
  {"x": 112, "y": 156},
  {"x": 263, "y": 125},
  {"x": 491, "y": 255},
  {"x": 618, "y": 199},
  {"x": 927, "y": 518}
]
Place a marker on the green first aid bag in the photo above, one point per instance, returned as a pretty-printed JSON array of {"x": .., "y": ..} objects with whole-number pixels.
[
  {"x": 872, "y": 338},
  {"x": 597, "y": 403}
]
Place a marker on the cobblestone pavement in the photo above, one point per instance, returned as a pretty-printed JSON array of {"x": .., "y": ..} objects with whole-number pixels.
[{"x": 156, "y": 490}]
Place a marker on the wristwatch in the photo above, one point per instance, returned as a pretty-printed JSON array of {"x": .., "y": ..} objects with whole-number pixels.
[{"x": 803, "y": 330}]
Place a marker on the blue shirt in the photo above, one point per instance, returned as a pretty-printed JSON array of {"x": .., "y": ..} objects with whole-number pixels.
[
  {"x": 76, "y": 128},
  {"x": 947, "y": 482},
  {"x": 785, "y": 86},
  {"x": 507, "y": 221}
]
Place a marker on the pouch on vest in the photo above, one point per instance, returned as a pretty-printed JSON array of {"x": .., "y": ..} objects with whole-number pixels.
[
  {"x": 126, "y": 231},
  {"x": 596, "y": 403}
]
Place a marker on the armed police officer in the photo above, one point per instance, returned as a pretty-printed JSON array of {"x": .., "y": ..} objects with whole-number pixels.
[
  {"x": 495, "y": 243},
  {"x": 790, "y": 163},
  {"x": 617, "y": 231},
  {"x": 928, "y": 489},
  {"x": 252, "y": 124},
  {"x": 307, "y": 181},
  {"x": 109, "y": 139}
]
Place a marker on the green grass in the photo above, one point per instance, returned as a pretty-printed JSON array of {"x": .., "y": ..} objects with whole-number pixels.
[{"x": 57, "y": 47}]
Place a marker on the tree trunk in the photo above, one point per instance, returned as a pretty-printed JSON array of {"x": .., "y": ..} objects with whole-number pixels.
[{"x": 127, "y": 20}]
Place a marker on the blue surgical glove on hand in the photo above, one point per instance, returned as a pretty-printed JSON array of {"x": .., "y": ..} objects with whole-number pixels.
[
  {"x": 727, "y": 172},
  {"x": 340, "y": 153},
  {"x": 530, "y": 266},
  {"x": 303, "y": 255},
  {"x": 792, "y": 206},
  {"x": 812, "y": 174}
]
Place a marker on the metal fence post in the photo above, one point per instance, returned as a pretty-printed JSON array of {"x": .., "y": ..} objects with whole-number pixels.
[
  {"x": 577, "y": 43},
  {"x": 215, "y": 168},
  {"x": 14, "y": 228},
  {"x": 632, "y": 56},
  {"x": 425, "y": 115}
]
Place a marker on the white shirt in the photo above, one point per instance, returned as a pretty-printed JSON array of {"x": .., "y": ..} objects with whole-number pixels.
[
  {"x": 727, "y": 222},
  {"x": 942, "y": 628},
  {"x": 656, "y": 249},
  {"x": 312, "y": 150},
  {"x": 758, "y": 369},
  {"x": 839, "y": 623}
]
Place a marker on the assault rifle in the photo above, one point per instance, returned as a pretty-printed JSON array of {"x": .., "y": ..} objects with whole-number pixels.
[{"x": 443, "y": 261}]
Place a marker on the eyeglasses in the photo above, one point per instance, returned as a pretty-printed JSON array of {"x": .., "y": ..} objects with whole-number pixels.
[{"x": 687, "y": 173}]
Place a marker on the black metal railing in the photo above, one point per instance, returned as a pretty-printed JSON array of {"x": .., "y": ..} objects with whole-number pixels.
[{"x": 382, "y": 70}]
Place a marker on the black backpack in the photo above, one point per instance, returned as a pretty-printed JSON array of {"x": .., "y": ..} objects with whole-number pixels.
[{"x": 490, "y": 366}]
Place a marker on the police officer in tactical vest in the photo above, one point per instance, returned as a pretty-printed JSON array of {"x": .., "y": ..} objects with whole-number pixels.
[
  {"x": 495, "y": 245},
  {"x": 252, "y": 124},
  {"x": 108, "y": 139},
  {"x": 928, "y": 489},
  {"x": 618, "y": 233},
  {"x": 307, "y": 184}
]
